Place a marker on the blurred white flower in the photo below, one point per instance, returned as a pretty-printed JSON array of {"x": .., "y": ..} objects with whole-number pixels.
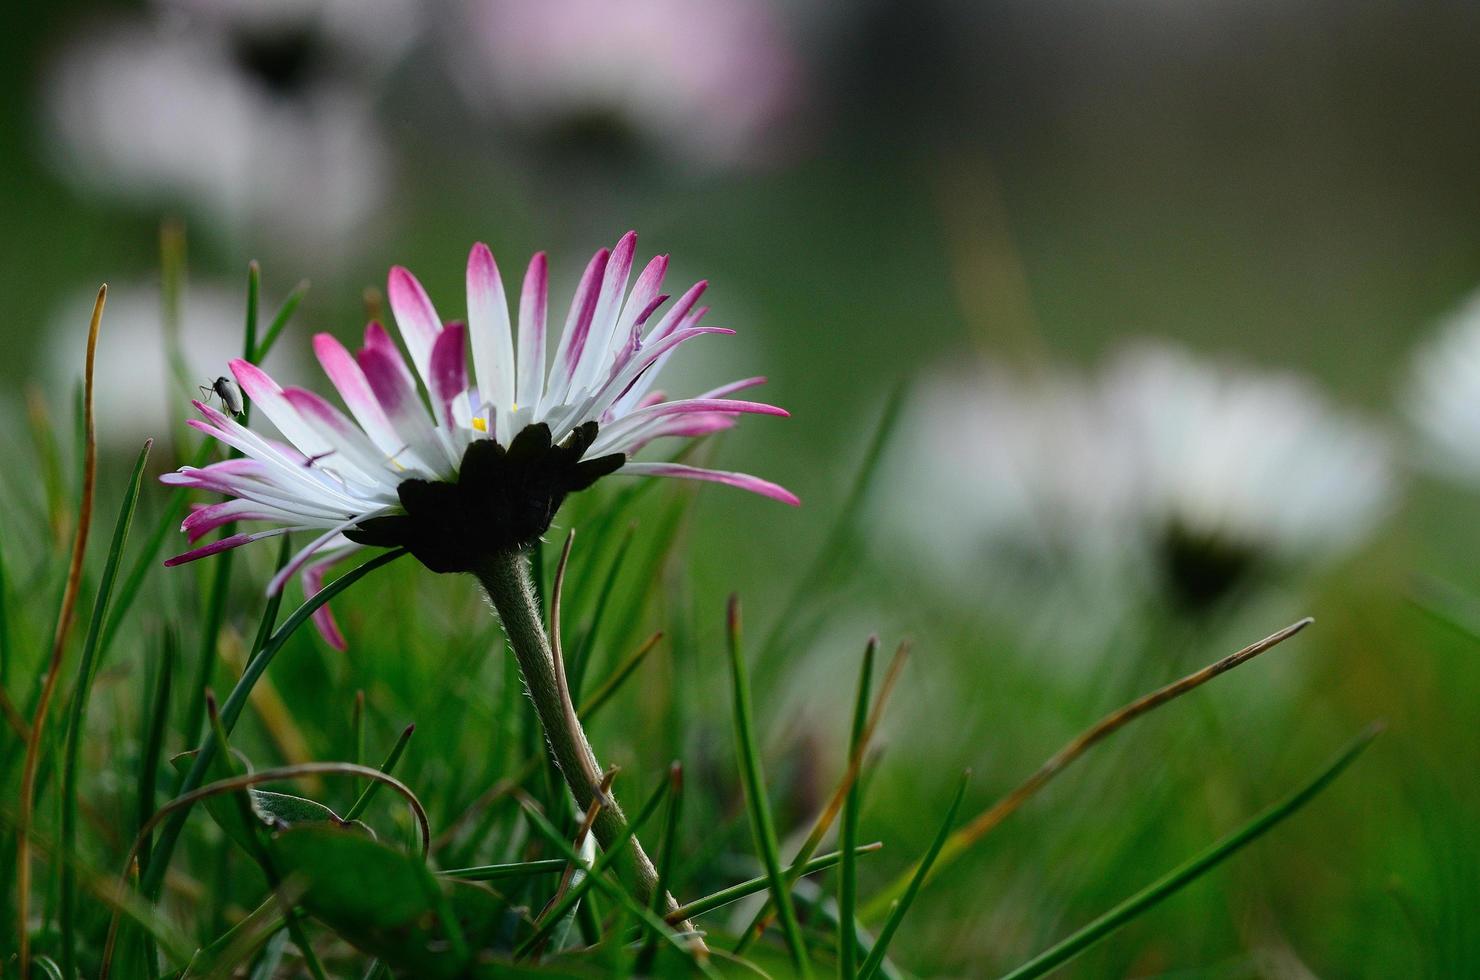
[
  {"x": 358, "y": 35},
  {"x": 701, "y": 80},
  {"x": 1012, "y": 468},
  {"x": 136, "y": 397},
  {"x": 1164, "y": 475},
  {"x": 1238, "y": 469},
  {"x": 1004, "y": 492},
  {"x": 257, "y": 130},
  {"x": 1443, "y": 395}
]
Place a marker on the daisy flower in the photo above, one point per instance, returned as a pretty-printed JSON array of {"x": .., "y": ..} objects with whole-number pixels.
[
  {"x": 1239, "y": 470},
  {"x": 1018, "y": 500},
  {"x": 1443, "y": 396},
  {"x": 263, "y": 128},
  {"x": 1161, "y": 476},
  {"x": 476, "y": 470},
  {"x": 704, "y": 81}
]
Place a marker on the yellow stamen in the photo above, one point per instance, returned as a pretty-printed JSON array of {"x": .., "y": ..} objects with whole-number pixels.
[{"x": 480, "y": 424}]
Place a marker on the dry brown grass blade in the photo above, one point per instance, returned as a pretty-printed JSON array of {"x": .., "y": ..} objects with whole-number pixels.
[
  {"x": 583, "y": 833},
  {"x": 14, "y": 718},
  {"x": 566, "y": 876},
  {"x": 58, "y": 646},
  {"x": 989, "y": 818}
]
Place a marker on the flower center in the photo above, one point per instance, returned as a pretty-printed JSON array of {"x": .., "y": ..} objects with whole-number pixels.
[{"x": 502, "y": 500}]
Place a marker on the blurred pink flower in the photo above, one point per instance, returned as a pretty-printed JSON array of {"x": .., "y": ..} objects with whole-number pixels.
[{"x": 701, "y": 80}]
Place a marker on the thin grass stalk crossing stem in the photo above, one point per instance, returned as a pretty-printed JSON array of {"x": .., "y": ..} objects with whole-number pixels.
[{"x": 507, "y": 580}]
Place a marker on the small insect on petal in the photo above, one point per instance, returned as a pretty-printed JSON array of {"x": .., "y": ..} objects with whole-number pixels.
[{"x": 229, "y": 393}]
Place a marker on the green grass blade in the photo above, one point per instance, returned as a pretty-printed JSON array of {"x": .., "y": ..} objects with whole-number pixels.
[
  {"x": 582, "y": 659},
  {"x": 496, "y": 872},
  {"x": 357, "y": 726},
  {"x": 568, "y": 901},
  {"x": 1447, "y": 605},
  {"x": 393, "y": 757},
  {"x": 145, "y": 563},
  {"x": 848, "y": 833},
  {"x": 902, "y": 907},
  {"x": 153, "y": 740},
  {"x": 744, "y": 889},
  {"x": 811, "y": 583},
  {"x": 210, "y": 637},
  {"x": 268, "y": 622},
  {"x": 236, "y": 701},
  {"x": 48, "y": 968},
  {"x": 77, "y": 716},
  {"x": 665, "y": 863},
  {"x": 616, "y": 892},
  {"x": 254, "y": 295},
  {"x": 609, "y": 687},
  {"x": 1179, "y": 877},
  {"x": 5, "y": 638},
  {"x": 148, "y": 557},
  {"x": 210, "y": 634},
  {"x": 279, "y": 322},
  {"x": 763, "y": 916},
  {"x": 761, "y": 824}
]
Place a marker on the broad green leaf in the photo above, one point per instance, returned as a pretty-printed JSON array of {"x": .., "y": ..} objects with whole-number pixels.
[
  {"x": 275, "y": 811},
  {"x": 387, "y": 903}
]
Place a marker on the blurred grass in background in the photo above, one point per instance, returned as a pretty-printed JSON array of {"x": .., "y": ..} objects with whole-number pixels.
[{"x": 1025, "y": 182}]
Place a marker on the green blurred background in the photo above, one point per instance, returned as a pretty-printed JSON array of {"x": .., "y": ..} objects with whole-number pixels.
[{"x": 1290, "y": 183}]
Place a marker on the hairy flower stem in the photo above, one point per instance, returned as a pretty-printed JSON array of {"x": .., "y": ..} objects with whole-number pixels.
[{"x": 506, "y": 578}]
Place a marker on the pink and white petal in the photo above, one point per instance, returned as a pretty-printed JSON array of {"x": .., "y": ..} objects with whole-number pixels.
[
  {"x": 731, "y": 406},
  {"x": 743, "y": 481},
  {"x": 318, "y": 544},
  {"x": 268, "y": 495},
  {"x": 596, "y": 356},
  {"x": 404, "y": 409},
  {"x": 416, "y": 317},
  {"x": 573, "y": 338},
  {"x": 622, "y": 432},
  {"x": 619, "y": 388},
  {"x": 534, "y": 311},
  {"x": 350, "y": 444},
  {"x": 378, "y": 338},
  {"x": 645, "y": 297},
  {"x": 286, "y": 472},
  {"x": 226, "y": 544},
  {"x": 313, "y": 584},
  {"x": 449, "y": 372},
  {"x": 684, "y": 427},
  {"x": 345, "y": 374},
  {"x": 725, "y": 390},
  {"x": 267, "y": 395},
  {"x": 208, "y": 517},
  {"x": 678, "y": 311},
  {"x": 488, "y": 323},
  {"x": 652, "y": 399}
]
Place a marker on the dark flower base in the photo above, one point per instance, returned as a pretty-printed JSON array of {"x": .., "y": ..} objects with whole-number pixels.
[
  {"x": 503, "y": 500},
  {"x": 1202, "y": 570}
]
